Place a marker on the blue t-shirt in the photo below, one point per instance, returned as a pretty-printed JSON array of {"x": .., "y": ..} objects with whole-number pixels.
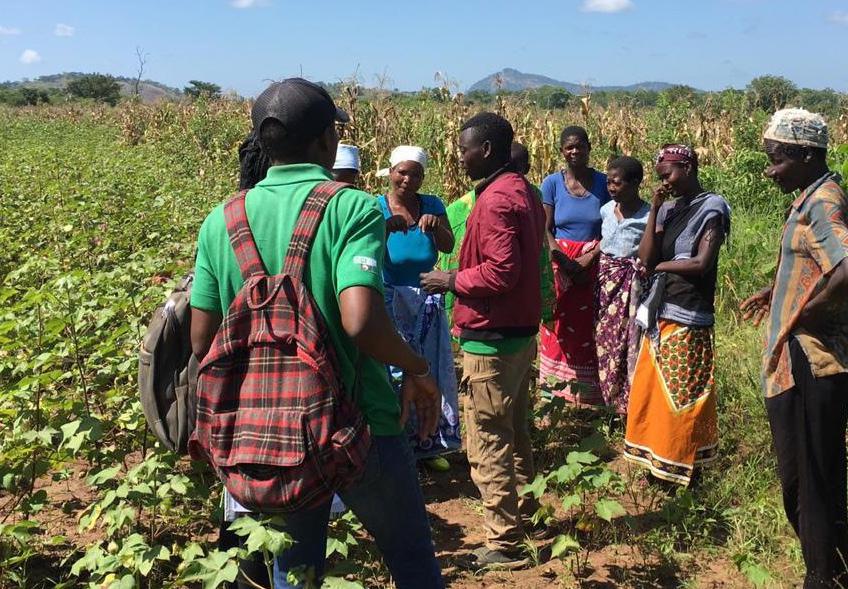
[
  {"x": 621, "y": 239},
  {"x": 411, "y": 253},
  {"x": 577, "y": 218}
]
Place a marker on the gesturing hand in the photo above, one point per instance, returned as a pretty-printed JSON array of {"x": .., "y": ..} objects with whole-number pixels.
[
  {"x": 422, "y": 394},
  {"x": 396, "y": 223},
  {"x": 755, "y": 307},
  {"x": 428, "y": 223},
  {"x": 435, "y": 281}
]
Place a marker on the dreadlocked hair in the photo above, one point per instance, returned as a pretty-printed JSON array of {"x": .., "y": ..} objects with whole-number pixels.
[{"x": 253, "y": 162}]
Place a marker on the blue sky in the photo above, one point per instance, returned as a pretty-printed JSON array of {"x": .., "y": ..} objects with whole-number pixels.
[{"x": 240, "y": 44}]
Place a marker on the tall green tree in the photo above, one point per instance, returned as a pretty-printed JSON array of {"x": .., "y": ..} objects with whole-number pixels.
[
  {"x": 771, "y": 93},
  {"x": 197, "y": 88},
  {"x": 97, "y": 87}
]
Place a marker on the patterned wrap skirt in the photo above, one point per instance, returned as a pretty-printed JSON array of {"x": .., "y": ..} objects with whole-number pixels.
[
  {"x": 616, "y": 333},
  {"x": 568, "y": 363},
  {"x": 672, "y": 422},
  {"x": 421, "y": 321}
]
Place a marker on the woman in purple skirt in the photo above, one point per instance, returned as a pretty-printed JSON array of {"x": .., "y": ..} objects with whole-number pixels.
[{"x": 623, "y": 222}]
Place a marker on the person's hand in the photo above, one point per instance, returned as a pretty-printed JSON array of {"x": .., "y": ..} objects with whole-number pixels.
[
  {"x": 422, "y": 394},
  {"x": 586, "y": 260},
  {"x": 755, "y": 307},
  {"x": 396, "y": 223},
  {"x": 428, "y": 223},
  {"x": 565, "y": 264},
  {"x": 659, "y": 197},
  {"x": 436, "y": 281}
]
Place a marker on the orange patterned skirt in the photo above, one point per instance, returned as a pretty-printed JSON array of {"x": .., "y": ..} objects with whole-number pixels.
[{"x": 672, "y": 422}]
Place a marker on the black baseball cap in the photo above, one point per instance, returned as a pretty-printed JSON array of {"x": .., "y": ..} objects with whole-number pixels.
[{"x": 303, "y": 108}]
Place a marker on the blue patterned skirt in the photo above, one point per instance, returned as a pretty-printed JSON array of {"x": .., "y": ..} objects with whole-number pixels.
[{"x": 421, "y": 321}]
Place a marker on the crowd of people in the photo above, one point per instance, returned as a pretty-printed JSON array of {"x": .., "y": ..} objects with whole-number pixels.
[{"x": 611, "y": 295}]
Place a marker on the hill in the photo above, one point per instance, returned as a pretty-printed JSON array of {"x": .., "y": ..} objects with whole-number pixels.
[
  {"x": 513, "y": 80},
  {"x": 150, "y": 91}
]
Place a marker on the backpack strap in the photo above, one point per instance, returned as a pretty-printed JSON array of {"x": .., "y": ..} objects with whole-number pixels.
[
  {"x": 307, "y": 225},
  {"x": 241, "y": 238}
]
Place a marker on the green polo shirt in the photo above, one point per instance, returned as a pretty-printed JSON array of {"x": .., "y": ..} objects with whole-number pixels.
[{"x": 348, "y": 251}]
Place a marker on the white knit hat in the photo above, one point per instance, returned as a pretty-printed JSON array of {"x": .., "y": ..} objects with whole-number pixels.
[{"x": 405, "y": 153}]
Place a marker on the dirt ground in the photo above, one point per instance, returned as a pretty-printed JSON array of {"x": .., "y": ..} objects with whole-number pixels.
[{"x": 456, "y": 516}]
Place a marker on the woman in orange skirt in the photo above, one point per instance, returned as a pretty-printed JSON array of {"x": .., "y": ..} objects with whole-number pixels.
[{"x": 672, "y": 419}]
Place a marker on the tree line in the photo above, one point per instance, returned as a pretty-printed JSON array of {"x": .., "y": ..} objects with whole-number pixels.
[
  {"x": 100, "y": 88},
  {"x": 768, "y": 93}
]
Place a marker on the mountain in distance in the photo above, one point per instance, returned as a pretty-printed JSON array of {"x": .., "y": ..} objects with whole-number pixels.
[
  {"x": 512, "y": 80},
  {"x": 149, "y": 90}
]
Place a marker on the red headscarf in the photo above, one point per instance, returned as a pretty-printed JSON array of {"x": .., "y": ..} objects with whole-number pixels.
[{"x": 677, "y": 153}]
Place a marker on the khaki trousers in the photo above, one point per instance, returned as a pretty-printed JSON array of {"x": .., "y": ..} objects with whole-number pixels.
[{"x": 498, "y": 441}]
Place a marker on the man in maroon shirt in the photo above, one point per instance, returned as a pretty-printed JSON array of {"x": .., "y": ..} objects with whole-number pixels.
[{"x": 496, "y": 317}]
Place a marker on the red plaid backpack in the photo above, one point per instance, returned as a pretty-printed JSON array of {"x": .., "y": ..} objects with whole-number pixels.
[{"x": 273, "y": 418}]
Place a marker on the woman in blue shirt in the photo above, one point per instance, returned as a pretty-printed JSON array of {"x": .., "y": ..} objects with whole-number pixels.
[
  {"x": 573, "y": 198},
  {"x": 417, "y": 230}
]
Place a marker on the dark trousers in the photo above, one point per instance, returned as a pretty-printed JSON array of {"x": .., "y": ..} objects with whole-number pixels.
[
  {"x": 808, "y": 425},
  {"x": 252, "y": 571},
  {"x": 388, "y": 502}
]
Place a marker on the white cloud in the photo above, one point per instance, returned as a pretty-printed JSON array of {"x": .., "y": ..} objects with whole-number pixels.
[
  {"x": 9, "y": 31},
  {"x": 64, "y": 30},
  {"x": 30, "y": 56},
  {"x": 840, "y": 18},
  {"x": 245, "y": 3},
  {"x": 606, "y": 5}
]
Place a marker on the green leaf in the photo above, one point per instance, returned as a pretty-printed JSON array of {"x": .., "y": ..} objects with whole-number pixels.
[
  {"x": 570, "y": 502},
  {"x": 563, "y": 544},
  {"x": 758, "y": 576},
  {"x": 335, "y": 545},
  {"x": 69, "y": 429},
  {"x": 244, "y": 525},
  {"x": 592, "y": 443},
  {"x": 339, "y": 583},
  {"x": 191, "y": 552},
  {"x": 567, "y": 473},
  {"x": 257, "y": 540},
  {"x": 178, "y": 484},
  {"x": 125, "y": 582},
  {"x": 581, "y": 458},
  {"x": 103, "y": 476},
  {"x": 537, "y": 487},
  {"x": 608, "y": 509}
]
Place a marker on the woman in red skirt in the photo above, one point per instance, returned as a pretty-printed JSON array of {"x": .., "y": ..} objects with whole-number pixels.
[{"x": 573, "y": 198}]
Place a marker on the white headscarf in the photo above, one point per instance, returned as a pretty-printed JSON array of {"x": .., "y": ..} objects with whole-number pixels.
[
  {"x": 405, "y": 153},
  {"x": 347, "y": 157}
]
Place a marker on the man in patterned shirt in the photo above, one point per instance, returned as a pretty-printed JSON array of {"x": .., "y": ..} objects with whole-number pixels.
[{"x": 805, "y": 367}]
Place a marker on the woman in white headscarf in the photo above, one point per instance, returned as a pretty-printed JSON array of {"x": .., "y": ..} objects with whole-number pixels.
[{"x": 417, "y": 230}]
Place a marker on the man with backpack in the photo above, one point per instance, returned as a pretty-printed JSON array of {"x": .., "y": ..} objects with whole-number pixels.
[{"x": 339, "y": 258}]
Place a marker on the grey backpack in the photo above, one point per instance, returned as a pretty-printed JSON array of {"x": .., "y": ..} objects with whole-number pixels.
[{"x": 167, "y": 371}]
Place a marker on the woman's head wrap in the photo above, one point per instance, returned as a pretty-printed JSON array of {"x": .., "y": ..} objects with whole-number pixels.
[
  {"x": 405, "y": 153},
  {"x": 677, "y": 153},
  {"x": 797, "y": 126},
  {"x": 347, "y": 157}
]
